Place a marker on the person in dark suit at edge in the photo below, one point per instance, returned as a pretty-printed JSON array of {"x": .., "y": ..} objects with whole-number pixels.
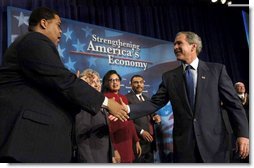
[
  {"x": 243, "y": 95},
  {"x": 196, "y": 93},
  {"x": 39, "y": 97},
  {"x": 144, "y": 125}
]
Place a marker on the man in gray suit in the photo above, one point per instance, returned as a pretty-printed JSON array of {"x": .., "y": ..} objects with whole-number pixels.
[
  {"x": 144, "y": 125},
  {"x": 196, "y": 94}
]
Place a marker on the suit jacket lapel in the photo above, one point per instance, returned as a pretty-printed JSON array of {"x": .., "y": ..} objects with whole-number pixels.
[
  {"x": 134, "y": 97},
  {"x": 181, "y": 89},
  {"x": 202, "y": 80}
]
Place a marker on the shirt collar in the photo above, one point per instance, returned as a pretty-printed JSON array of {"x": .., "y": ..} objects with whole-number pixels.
[
  {"x": 140, "y": 94},
  {"x": 136, "y": 93},
  {"x": 194, "y": 64},
  {"x": 241, "y": 95}
]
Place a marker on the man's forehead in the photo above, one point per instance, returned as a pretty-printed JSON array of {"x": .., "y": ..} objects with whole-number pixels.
[
  {"x": 137, "y": 79},
  {"x": 239, "y": 84},
  {"x": 57, "y": 18},
  {"x": 180, "y": 37}
]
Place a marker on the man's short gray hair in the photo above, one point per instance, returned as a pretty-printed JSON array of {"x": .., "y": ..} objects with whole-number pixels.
[{"x": 192, "y": 38}]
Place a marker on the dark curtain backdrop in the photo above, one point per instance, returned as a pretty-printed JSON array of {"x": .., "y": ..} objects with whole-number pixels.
[{"x": 221, "y": 28}]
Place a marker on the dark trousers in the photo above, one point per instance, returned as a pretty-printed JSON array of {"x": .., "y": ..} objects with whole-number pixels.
[
  {"x": 8, "y": 160},
  {"x": 145, "y": 158}
]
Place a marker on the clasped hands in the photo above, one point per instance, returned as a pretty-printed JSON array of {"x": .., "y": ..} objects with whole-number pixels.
[{"x": 117, "y": 111}]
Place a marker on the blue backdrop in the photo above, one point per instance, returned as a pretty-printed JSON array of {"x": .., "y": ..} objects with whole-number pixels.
[{"x": 85, "y": 46}]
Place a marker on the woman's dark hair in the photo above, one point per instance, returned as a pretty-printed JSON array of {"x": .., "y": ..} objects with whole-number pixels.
[
  {"x": 105, "y": 80},
  {"x": 38, "y": 14}
]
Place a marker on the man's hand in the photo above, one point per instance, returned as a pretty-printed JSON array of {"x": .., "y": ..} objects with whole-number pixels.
[
  {"x": 157, "y": 118},
  {"x": 112, "y": 118},
  {"x": 242, "y": 147},
  {"x": 124, "y": 105},
  {"x": 117, "y": 110},
  {"x": 147, "y": 136}
]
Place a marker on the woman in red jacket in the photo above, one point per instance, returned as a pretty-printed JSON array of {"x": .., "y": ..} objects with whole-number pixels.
[{"x": 123, "y": 134}]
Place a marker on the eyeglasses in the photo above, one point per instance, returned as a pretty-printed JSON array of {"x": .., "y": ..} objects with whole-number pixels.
[{"x": 114, "y": 80}]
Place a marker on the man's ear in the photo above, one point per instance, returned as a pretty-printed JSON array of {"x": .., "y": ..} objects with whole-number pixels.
[
  {"x": 43, "y": 23},
  {"x": 193, "y": 47}
]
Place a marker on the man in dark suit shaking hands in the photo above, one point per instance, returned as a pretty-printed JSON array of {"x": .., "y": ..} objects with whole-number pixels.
[
  {"x": 196, "y": 93},
  {"x": 39, "y": 97}
]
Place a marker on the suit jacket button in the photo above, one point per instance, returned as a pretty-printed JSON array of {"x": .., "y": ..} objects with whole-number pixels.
[{"x": 194, "y": 119}]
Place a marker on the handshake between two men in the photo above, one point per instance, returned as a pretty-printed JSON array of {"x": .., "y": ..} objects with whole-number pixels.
[{"x": 117, "y": 111}]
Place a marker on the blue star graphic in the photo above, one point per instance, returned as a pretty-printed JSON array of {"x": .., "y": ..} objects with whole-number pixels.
[
  {"x": 91, "y": 61},
  {"x": 60, "y": 51},
  {"x": 70, "y": 65},
  {"x": 79, "y": 46},
  {"x": 68, "y": 34},
  {"x": 88, "y": 31},
  {"x": 22, "y": 19}
]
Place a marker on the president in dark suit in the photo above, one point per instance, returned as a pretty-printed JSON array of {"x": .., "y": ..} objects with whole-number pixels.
[
  {"x": 196, "y": 93},
  {"x": 39, "y": 97}
]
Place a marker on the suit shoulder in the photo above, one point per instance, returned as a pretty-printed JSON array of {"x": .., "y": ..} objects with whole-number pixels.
[
  {"x": 173, "y": 71},
  {"x": 214, "y": 65},
  {"x": 128, "y": 95},
  {"x": 215, "y": 69},
  {"x": 35, "y": 36}
]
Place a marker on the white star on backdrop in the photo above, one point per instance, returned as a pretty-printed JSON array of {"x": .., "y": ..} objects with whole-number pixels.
[
  {"x": 91, "y": 61},
  {"x": 68, "y": 34},
  {"x": 79, "y": 46},
  {"x": 70, "y": 64},
  {"x": 60, "y": 51},
  {"x": 22, "y": 19},
  {"x": 88, "y": 31}
]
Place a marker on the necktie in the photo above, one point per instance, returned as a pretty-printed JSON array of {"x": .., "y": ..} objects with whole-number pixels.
[
  {"x": 140, "y": 98},
  {"x": 190, "y": 85}
]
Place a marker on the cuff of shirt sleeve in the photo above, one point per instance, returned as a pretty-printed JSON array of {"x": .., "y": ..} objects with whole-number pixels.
[
  {"x": 105, "y": 102},
  {"x": 128, "y": 108},
  {"x": 141, "y": 132}
]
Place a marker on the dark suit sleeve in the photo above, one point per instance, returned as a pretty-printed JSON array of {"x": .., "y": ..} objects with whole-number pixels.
[
  {"x": 42, "y": 67},
  {"x": 157, "y": 101},
  {"x": 131, "y": 99},
  {"x": 233, "y": 105}
]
